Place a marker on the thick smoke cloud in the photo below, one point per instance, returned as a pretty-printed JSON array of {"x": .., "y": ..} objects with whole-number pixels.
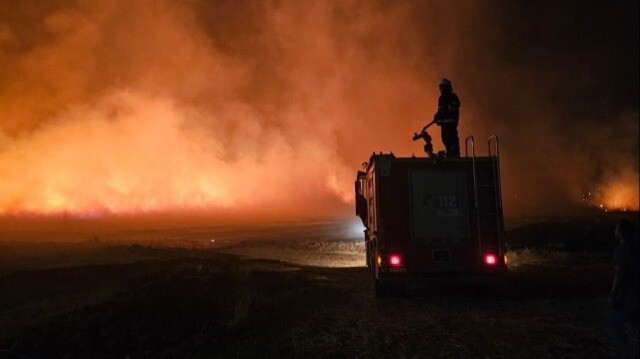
[{"x": 266, "y": 109}]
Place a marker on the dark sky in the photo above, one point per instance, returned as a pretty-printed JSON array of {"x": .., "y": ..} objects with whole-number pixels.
[
  {"x": 263, "y": 109},
  {"x": 586, "y": 51}
]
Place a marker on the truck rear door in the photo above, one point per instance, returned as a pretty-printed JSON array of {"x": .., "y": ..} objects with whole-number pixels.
[{"x": 440, "y": 218}]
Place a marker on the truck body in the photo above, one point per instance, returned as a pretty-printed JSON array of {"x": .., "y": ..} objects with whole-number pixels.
[{"x": 432, "y": 219}]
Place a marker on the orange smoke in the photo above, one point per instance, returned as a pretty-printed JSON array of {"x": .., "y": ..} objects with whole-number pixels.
[
  {"x": 267, "y": 108},
  {"x": 129, "y": 108}
]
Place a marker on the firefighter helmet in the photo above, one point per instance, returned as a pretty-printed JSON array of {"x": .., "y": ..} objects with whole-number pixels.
[{"x": 445, "y": 83}]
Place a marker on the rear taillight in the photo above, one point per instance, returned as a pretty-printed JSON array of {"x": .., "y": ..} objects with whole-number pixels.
[
  {"x": 395, "y": 260},
  {"x": 490, "y": 259}
]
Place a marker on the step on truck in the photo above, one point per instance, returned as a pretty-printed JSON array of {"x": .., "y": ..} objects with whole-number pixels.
[{"x": 432, "y": 219}]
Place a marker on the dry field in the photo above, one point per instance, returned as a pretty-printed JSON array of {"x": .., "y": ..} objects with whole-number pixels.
[{"x": 307, "y": 296}]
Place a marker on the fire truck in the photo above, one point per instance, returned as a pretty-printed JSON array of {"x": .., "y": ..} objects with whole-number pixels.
[{"x": 432, "y": 219}]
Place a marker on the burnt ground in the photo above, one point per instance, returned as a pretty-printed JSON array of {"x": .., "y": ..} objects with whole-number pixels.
[
  {"x": 153, "y": 302},
  {"x": 213, "y": 305}
]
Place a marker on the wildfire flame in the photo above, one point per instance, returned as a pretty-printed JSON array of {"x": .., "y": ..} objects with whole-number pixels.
[
  {"x": 619, "y": 196},
  {"x": 147, "y": 159}
]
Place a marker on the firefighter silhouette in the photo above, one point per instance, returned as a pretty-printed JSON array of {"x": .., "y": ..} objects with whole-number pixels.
[
  {"x": 447, "y": 118},
  {"x": 624, "y": 294}
]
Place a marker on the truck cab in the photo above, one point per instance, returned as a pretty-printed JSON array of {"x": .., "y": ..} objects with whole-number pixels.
[{"x": 432, "y": 219}]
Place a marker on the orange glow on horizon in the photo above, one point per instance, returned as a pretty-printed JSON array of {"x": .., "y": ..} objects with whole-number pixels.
[
  {"x": 620, "y": 195},
  {"x": 148, "y": 161}
]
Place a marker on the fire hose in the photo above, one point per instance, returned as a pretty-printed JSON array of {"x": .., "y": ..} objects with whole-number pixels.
[{"x": 428, "y": 146}]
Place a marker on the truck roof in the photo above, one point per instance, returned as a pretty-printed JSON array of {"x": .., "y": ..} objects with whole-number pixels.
[{"x": 376, "y": 157}]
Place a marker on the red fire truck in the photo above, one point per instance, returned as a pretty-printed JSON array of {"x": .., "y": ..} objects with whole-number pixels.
[{"x": 433, "y": 218}]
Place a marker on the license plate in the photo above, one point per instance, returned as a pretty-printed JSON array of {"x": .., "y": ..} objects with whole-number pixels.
[{"x": 393, "y": 269}]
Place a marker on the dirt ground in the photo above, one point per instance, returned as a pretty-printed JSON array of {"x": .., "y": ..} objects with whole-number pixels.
[{"x": 115, "y": 301}]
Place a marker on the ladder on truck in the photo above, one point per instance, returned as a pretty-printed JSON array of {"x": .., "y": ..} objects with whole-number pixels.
[{"x": 488, "y": 194}]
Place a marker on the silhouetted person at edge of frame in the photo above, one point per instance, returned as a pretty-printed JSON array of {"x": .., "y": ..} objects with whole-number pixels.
[
  {"x": 447, "y": 118},
  {"x": 624, "y": 290}
]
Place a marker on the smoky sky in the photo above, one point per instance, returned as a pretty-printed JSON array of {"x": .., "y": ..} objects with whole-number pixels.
[{"x": 265, "y": 109}]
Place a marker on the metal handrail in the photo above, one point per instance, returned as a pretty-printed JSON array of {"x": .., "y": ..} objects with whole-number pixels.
[
  {"x": 491, "y": 139},
  {"x": 495, "y": 159},
  {"x": 466, "y": 146},
  {"x": 475, "y": 186}
]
